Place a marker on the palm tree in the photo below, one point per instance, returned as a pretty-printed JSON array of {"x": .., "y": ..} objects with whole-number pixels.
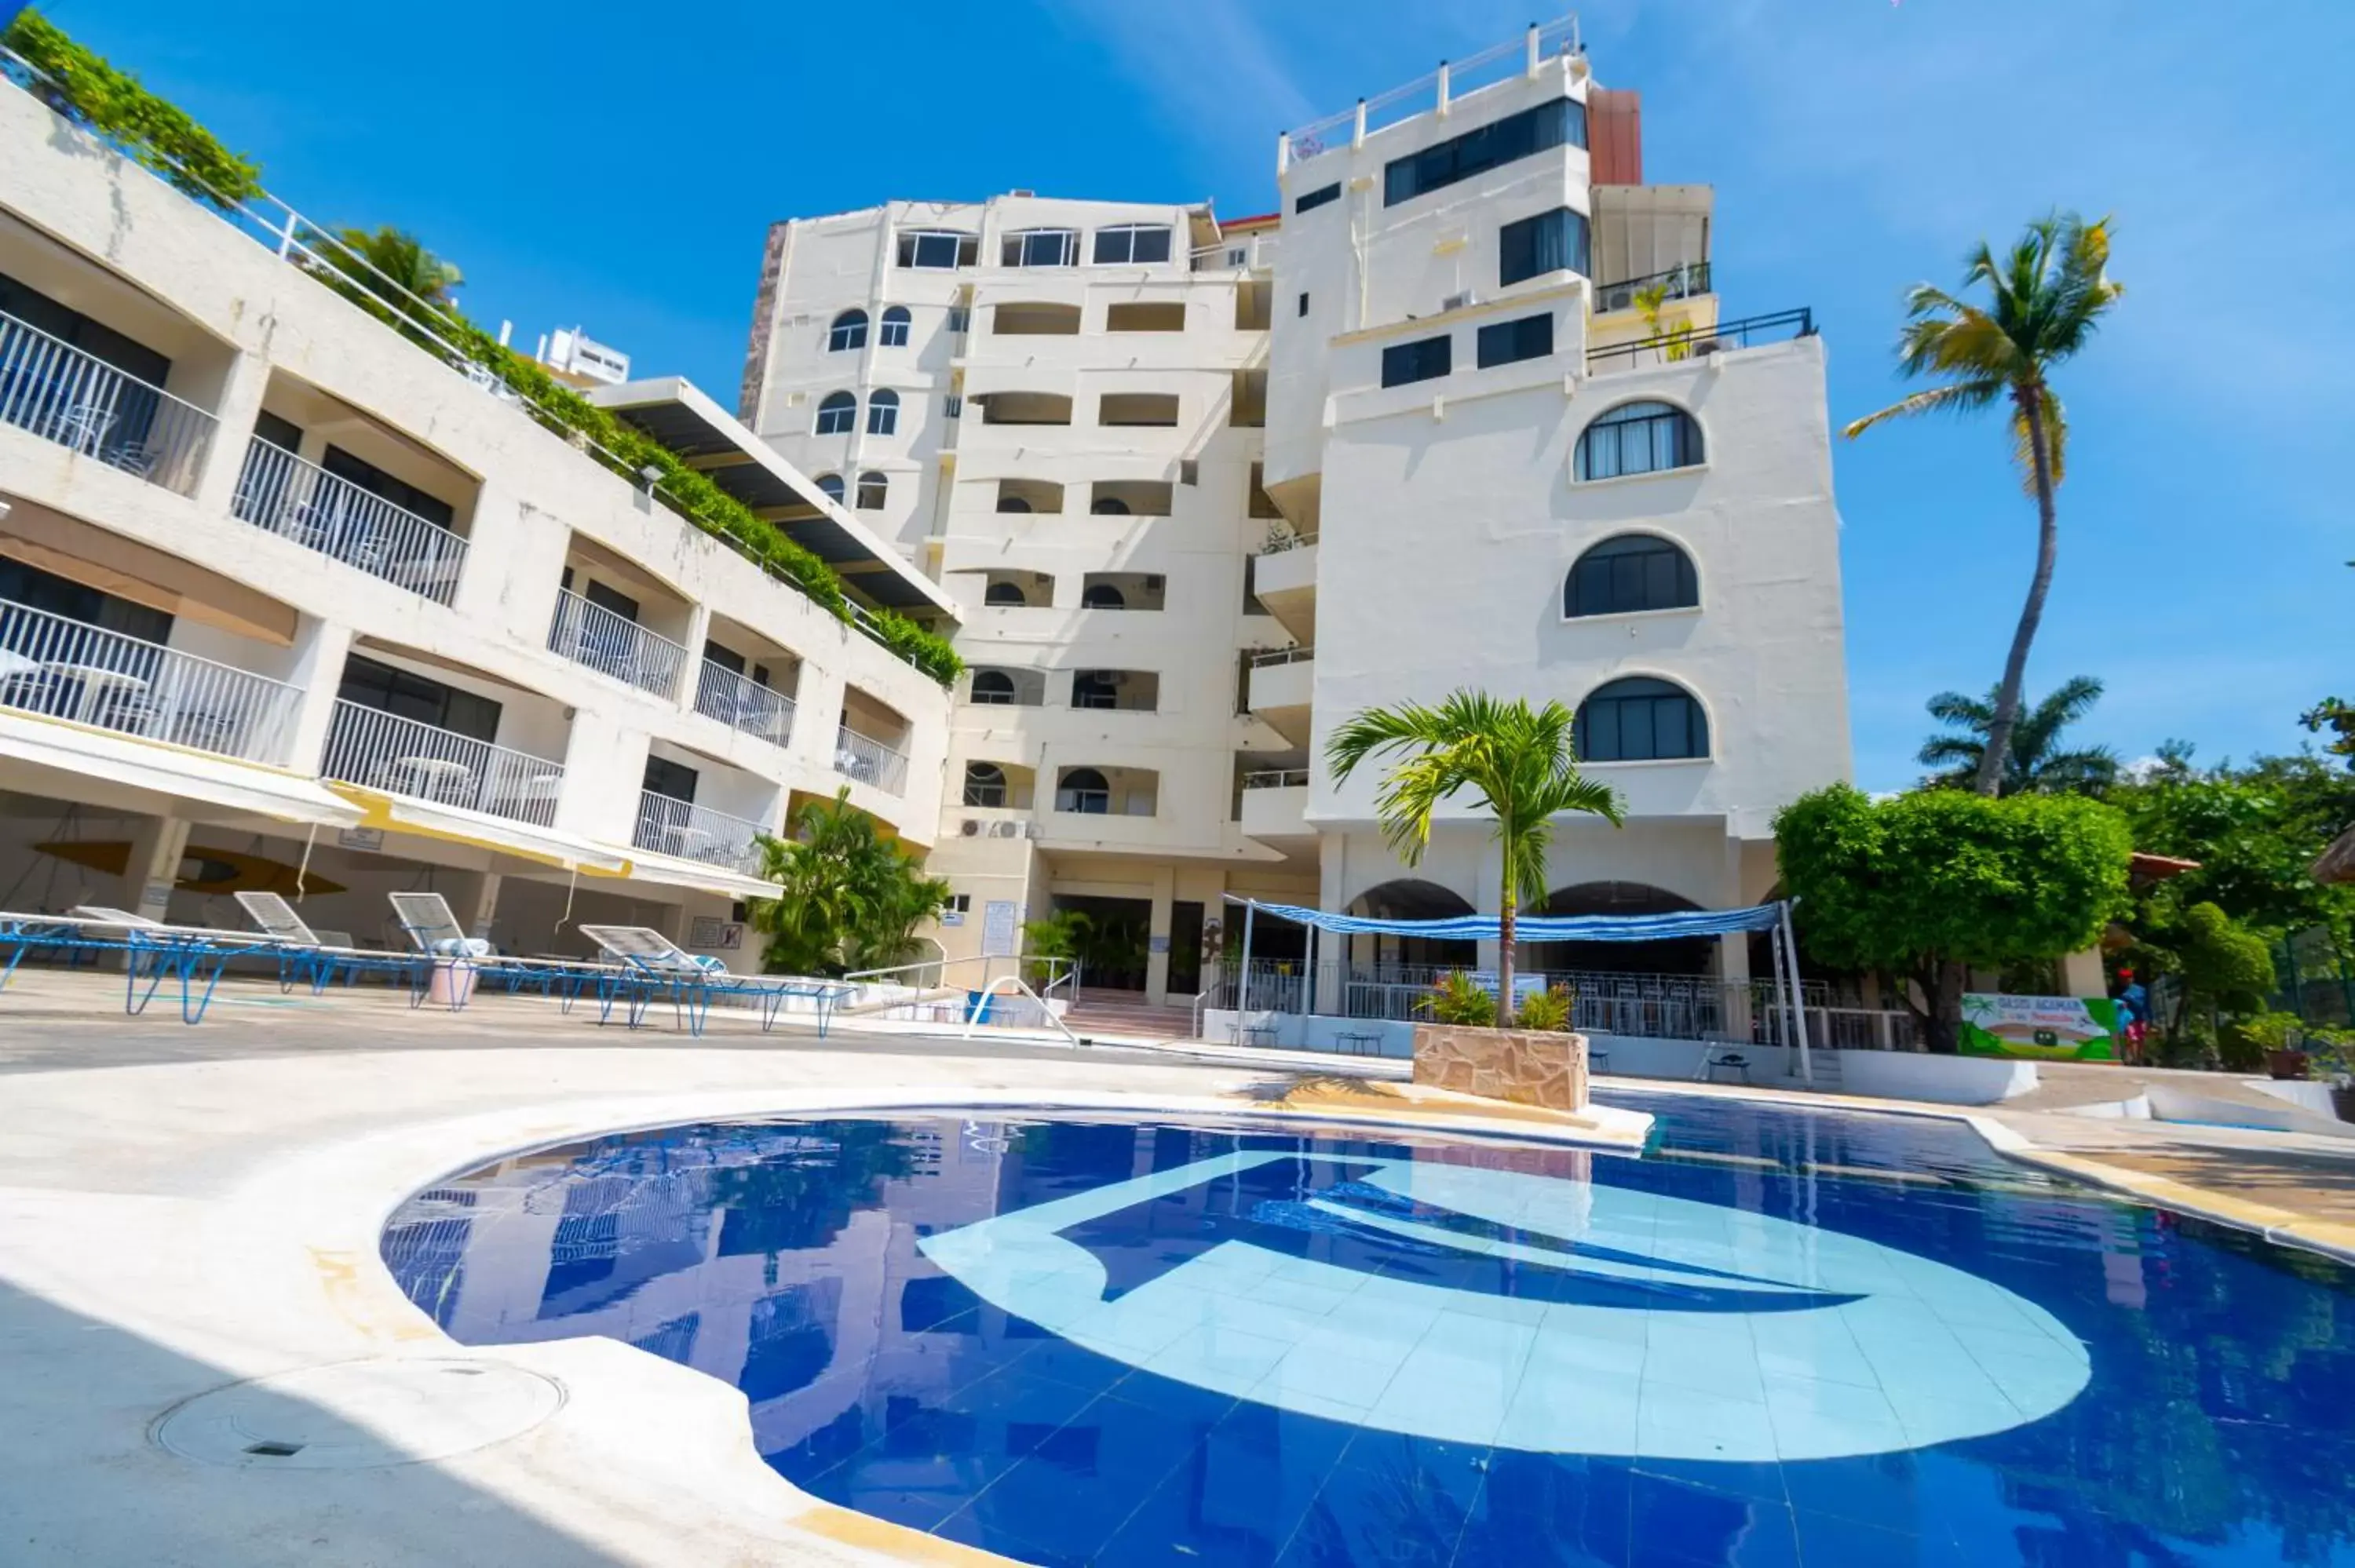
[
  {"x": 391, "y": 265},
  {"x": 1522, "y": 763},
  {"x": 2049, "y": 295},
  {"x": 2035, "y": 764},
  {"x": 852, "y": 898}
]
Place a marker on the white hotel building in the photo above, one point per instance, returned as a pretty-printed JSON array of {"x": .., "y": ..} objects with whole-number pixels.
[
  {"x": 283, "y": 591},
  {"x": 1201, "y": 489}
]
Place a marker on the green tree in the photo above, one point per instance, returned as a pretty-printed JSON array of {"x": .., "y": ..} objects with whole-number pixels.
[
  {"x": 393, "y": 266},
  {"x": 1061, "y": 935},
  {"x": 2253, "y": 831},
  {"x": 852, "y": 900},
  {"x": 2048, "y": 296},
  {"x": 1927, "y": 887},
  {"x": 2035, "y": 763},
  {"x": 2225, "y": 967},
  {"x": 1521, "y": 764}
]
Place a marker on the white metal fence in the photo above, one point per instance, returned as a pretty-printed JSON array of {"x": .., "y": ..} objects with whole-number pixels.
[
  {"x": 70, "y": 669},
  {"x": 1450, "y": 81},
  {"x": 378, "y": 750},
  {"x": 614, "y": 645},
  {"x": 1268, "y": 657},
  {"x": 745, "y": 704},
  {"x": 1276, "y": 778},
  {"x": 869, "y": 760},
  {"x": 300, "y": 501},
  {"x": 78, "y": 400},
  {"x": 690, "y": 831}
]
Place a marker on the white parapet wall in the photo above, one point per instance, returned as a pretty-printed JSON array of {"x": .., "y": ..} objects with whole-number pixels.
[{"x": 1945, "y": 1080}]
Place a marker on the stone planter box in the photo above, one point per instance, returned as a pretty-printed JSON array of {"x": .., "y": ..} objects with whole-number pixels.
[{"x": 1525, "y": 1066}]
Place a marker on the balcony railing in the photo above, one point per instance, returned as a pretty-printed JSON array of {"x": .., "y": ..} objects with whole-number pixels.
[
  {"x": 319, "y": 511},
  {"x": 377, "y": 750},
  {"x": 690, "y": 831},
  {"x": 80, "y": 402},
  {"x": 1282, "y": 656},
  {"x": 68, "y": 670},
  {"x": 1277, "y": 778},
  {"x": 1680, "y": 345},
  {"x": 741, "y": 703},
  {"x": 869, "y": 761},
  {"x": 1425, "y": 93},
  {"x": 1677, "y": 283},
  {"x": 615, "y": 645}
]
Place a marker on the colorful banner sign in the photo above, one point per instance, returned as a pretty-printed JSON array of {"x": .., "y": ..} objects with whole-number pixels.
[{"x": 2040, "y": 1028}]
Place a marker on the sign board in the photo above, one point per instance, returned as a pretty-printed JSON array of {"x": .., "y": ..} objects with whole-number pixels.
[
  {"x": 1001, "y": 929},
  {"x": 952, "y": 916},
  {"x": 368, "y": 838},
  {"x": 2040, "y": 1028},
  {"x": 1524, "y": 986},
  {"x": 709, "y": 932},
  {"x": 1157, "y": 944}
]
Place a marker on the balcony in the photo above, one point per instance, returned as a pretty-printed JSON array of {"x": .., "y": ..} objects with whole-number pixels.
[
  {"x": 866, "y": 760},
  {"x": 1273, "y": 806},
  {"x": 744, "y": 705},
  {"x": 1685, "y": 345},
  {"x": 68, "y": 670},
  {"x": 87, "y": 405},
  {"x": 1283, "y": 579},
  {"x": 690, "y": 831},
  {"x": 284, "y": 494},
  {"x": 1282, "y": 681},
  {"x": 615, "y": 645},
  {"x": 1684, "y": 282},
  {"x": 377, "y": 750}
]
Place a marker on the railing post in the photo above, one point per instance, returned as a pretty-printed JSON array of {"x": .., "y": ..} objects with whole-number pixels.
[
  {"x": 1357, "y": 132},
  {"x": 1532, "y": 67},
  {"x": 1283, "y": 152},
  {"x": 1443, "y": 89}
]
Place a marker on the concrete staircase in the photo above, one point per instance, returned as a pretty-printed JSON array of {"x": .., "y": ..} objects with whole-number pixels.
[{"x": 1127, "y": 1012}]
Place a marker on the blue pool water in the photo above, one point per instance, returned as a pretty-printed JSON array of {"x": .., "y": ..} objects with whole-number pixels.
[{"x": 1780, "y": 1339}]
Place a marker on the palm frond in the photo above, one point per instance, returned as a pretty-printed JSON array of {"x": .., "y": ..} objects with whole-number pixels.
[{"x": 1960, "y": 398}]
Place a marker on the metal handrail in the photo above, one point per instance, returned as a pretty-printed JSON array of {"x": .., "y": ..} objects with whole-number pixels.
[
  {"x": 1302, "y": 656},
  {"x": 1285, "y": 541},
  {"x": 1693, "y": 343},
  {"x": 1681, "y": 282},
  {"x": 869, "y": 760},
  {"x": 1558, "y": 36},
  {"x": 614, "y": 645},
  {"x": 742, "y": 703},
  {"x": 295, "y": 499},
  {"x": 377, "y": 750},
  {"x": 70, "y": 669},
  {"x": 682, "y": 828},
  {"x": 72, "y": 397},
  {"x": 1276, "y": 778}
]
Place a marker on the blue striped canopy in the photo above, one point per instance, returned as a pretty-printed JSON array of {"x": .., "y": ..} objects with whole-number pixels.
[{"x": 1541, "y": 927}]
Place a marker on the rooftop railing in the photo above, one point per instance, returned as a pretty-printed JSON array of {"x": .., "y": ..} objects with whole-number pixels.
[
  {"x": 696, "y": 833},
  {"x": 297, "y": 499},
  {"x": 744, "y": 705},
  {"x": 69, "y": 669},
  {"x": 1282, "y": 656},
  {"x": 377, "y": 750},
  {"x": 869, "y": 761},
  {"x": 1683, "y": 282},
  {"x": 1683, "y": 344},
  {"x": 63, "y": 394},
  {"x": 1452, "y": 80},
  {"x": 1276, "y": 778},
  {"x": 614, "y": 645}
]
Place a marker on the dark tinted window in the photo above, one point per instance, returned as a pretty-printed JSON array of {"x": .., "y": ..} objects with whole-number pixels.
[
  {"x": 1135, "y": 242},
  {"x": 1640, "y": 720},
  {"x": 1317, "y": 198},
  {"x": 672, "y": 780},
  {"x": 1531, "y": 337},
  {"x": 938, "y": 249},
  {"x": 37, "y": 590},
  {"x": 1418, "y": 361},
  {"x": 283, "y": 434},
  {"x": 1638, "y": 438},
  {"x": 603, "y": 597},
  {"x": 1550, "y": 242},
  {"x": 1491, "y": 146},
  {"x": 1634, "y": 572},
  {"x": 376, "y": 482},
  {"x": 406, "y": 695}
]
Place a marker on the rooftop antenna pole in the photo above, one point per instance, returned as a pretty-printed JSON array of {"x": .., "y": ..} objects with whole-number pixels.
[
  {"x": 1443, "y": 89},
  {"x": 1532, "y": 52}
]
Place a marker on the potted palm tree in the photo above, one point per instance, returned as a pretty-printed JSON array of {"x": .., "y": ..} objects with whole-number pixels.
[{"x": 1521, "y": 766}]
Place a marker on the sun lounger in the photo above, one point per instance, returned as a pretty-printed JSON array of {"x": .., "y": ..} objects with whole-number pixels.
[
  {"x": 189, "y": 954},
  {"x": 653, "y": 966},
  {"x": 457, "y": 960},
  {"x": 306, "y": 954}
]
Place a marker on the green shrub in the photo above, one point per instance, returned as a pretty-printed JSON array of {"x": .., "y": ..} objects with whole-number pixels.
[
  {"x": 1547, "y": 1012},
  {"x": 1456, "y": 1000}
]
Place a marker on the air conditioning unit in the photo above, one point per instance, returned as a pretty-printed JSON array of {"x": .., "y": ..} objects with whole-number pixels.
[
  {"x": 1030, "y": 830},
  {"x": 970, "y": 827},
  {"x": 1043, "y": 579},
  {"x": 1153, "y": 582},
  {"x": 1458, "y": 301},
  {"x": 1005, "y": 829}
]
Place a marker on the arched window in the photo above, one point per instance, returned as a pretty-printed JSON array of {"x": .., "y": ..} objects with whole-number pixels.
[
  {"x": 1095, "y": 689},
  {"x": 1633, "y": 571},
  {"x": 849, "y": 330},
  {"x": 1084, "y": 789},
  {"x": 1640, "y": 719},
  {"x": 1012, "y": 504},
  {"x": 832, "y": 484},
  {"x": 883, "y": 413},
  {"x": 1109, "y": 506},
  {"x": 1003, "y": 593},
  {"x": 1102, "y": 596},
  {"x": 985, "y": 784},
  {"x": 873, "y": 491},
  {"x": 838, "y": 414},
  {"x": 894, "y": 332},
  {"x": 994, "y": 688},
  {"x": 1638, "y": 438}
]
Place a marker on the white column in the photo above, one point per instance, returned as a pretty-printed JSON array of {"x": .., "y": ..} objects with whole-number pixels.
[
  {"x": 1733, "y": 978},
  {"x": 157, "y": 845},
  {"x": 1156, "y": 963},
  {"x": 320, "y": 648},
  {"x": 234, "y": 410}
]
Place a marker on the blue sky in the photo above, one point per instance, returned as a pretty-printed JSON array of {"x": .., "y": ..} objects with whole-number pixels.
[{"x": 617, "y": 167}]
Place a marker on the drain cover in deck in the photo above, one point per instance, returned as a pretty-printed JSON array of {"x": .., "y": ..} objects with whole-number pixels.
[{"x": 354, "y": 1415}]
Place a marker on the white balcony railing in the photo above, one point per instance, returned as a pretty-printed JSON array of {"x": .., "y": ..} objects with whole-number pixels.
[
  {"x": 69, "y": 669},
  {"x": 615, "y": 645},
  {"x": 746, "y": 705},
  {"x": 1274, "y": 656},
  {"x": 1277, "y": 778},
  {"x": 377, "y": 750},
  {"x": 869, "y": 761},
  {"x": 690, "y": 831},
  {"x": 319, "y": 511},
  {"x": 78, "y": 400}
]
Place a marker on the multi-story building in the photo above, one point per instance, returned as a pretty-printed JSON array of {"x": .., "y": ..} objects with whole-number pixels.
[
  {"x": 286, "y": 602},
  {"x": 1463, "y": 414}
]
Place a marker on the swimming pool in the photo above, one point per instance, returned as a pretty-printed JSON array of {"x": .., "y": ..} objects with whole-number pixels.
[{"x": 1781, "y": 1338}]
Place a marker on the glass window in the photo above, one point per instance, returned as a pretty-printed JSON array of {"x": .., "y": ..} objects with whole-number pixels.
[
  {"x": 1008, "y": 594},
  {"x": 1418, "y": 361},
  {"x": 959, "y": 319},
  {"x": 1102, "y": 596},
  {"x": 837, "y": 414},
  {"x": 938, "y": 249},
  {"x": 952, "y": 406},
  {"x": 1640, "y": 720},
  {"x": 1503, "y": 343},
  {"x": 1041, "y": 248},
  {"x": 1638, "y": 438},
  {"x": 832, "y": 484},
  {"x": 1532, "y": 131},
  {"x": 1084, "y": 789},
  {"x": 1635, "y": 571},
  {"x": 1131, "y": 242},
  {"x": 883, "y": 413},
  {"x": 1109, "y": 506},
  {"x": 849, "y": 330},
  {"x": 1095, "y": 689},
  {"x": 873, "y": 491},
  {"x": 1550, "y": 243},
  {"x": 894, "y": 333},
  {"x": 1311, "y": 200},
  {"x": 407, "y": 695},
  {"x": 671, "y": 780},
  {"x": 985, "y": 782}
]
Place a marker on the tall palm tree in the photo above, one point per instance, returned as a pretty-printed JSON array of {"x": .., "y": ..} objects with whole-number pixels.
[
  {"x": 1521, "y": 762},
  {"x": 2036, "y": 764},
  {"x": 392, "y": 265},
  {"x": 2047, "y": 295}
]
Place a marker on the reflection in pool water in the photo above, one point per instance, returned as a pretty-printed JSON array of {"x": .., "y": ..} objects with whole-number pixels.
[{"x": 1783, "y": 1338}]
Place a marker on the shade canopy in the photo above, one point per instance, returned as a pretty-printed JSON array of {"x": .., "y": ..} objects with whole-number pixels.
[{"x": 1539, "y": 927}]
